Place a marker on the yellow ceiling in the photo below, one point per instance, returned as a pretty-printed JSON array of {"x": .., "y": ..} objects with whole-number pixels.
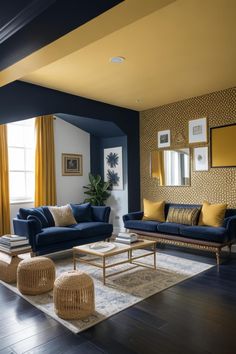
[
  {"x": 119, "y": 16},
  {"x": 181, "y": 50}
]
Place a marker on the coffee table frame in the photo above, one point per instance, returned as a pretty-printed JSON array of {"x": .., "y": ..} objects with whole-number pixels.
[{"x": 119, "y": 249}]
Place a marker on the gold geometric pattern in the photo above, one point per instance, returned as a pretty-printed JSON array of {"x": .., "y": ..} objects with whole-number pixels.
[{"x": 218, "y": 185}]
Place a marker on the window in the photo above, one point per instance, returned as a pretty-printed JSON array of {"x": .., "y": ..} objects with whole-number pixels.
[{"x": 21, "y": 155}]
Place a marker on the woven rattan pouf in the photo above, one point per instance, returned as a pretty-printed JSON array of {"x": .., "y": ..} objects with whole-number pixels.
[
  {"x": 8, "y": 268},
  {"x": 35, "y": 275},
  {"x": 73, "y": 295}
]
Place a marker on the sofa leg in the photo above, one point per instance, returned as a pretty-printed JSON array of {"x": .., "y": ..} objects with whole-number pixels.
[
  {"x": 218, "y": 257},
  {"x": 32, "y": 254},
  {"x": 230, "y": 246}
]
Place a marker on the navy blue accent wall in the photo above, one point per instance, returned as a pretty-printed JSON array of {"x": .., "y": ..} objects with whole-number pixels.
[
  {"x": 97, "y": 145},
  {"x": 114, "y": 142},
  {"x": 130, "y": 165},
  {"x": 95, "y": 155},
  {"x": 20, "y": 101}
]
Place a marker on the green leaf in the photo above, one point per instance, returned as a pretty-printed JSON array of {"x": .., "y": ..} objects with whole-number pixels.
[{"x": 97, "y": 190}]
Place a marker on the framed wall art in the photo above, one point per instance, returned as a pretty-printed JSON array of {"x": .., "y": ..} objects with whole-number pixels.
[
  {"x": 72, "y": 165},
  {"x": 178, "y": 139},
  {"x": 163, "y": 138},
  {"x": 200, "y": 159},
  {"x": 197, "y": 131},
  {"x": 113, "y": 167},
  {"x": 223, "y": 146}
]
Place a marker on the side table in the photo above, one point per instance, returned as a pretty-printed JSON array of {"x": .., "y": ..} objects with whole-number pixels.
[{"x": 9, "y": 261}]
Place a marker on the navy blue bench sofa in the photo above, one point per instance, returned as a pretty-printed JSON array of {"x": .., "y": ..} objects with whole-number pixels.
[
  {"x": 206, "y": 238},
  {"x": 46, "y": 238}
]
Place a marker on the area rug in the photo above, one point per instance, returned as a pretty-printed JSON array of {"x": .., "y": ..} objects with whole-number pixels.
[{"x": 121, "y": 291}]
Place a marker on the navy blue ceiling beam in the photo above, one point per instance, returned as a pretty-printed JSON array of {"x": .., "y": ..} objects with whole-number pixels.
[
  {"x": 18, "y": 14},
  {"x": 20, "y": 100},
  {"x": 39, "y": 29}
]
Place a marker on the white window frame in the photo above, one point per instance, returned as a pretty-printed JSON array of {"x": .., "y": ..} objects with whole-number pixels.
[{"x": 23, "y": 198}]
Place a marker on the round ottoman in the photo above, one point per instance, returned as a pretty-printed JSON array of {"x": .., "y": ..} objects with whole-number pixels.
[
  {"x": 35, "y": 275},
  {"x": 73, "y": 295},
  {"x": 8, "y": 267}
]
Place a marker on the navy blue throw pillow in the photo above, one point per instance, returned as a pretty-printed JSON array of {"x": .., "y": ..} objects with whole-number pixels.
[
  {"x": 48, "y": 216},
  {"x": 38, "y": 212},
  {"x": 38, "y": 224},
  {"x": 82, "y": 212}
]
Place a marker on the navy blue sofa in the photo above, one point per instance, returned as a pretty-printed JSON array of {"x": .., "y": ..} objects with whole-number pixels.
[
  {"x": 199, "y": 237},
  {"x": 44, "y": 237}
]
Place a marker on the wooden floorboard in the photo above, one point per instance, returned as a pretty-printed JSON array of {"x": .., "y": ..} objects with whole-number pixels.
[{"x": 197, "y": 316}]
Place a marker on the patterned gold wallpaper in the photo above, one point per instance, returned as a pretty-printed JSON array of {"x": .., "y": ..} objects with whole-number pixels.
[{"x": 216, "y": 185}]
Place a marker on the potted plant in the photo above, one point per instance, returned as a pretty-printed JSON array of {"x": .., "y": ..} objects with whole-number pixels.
[{"x": 97, "y": 190}]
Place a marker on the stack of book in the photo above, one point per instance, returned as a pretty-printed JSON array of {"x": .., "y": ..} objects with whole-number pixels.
[
  {"x": 126, "y": 237},
  {"x": 14, "y": 243}
]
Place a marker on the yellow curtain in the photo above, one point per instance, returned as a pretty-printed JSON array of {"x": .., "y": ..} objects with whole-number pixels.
[
  {"x": 157, "y": 166},
  {"x": 162, "y": 167},
  {"x": 4, "y": 184},
  {"x": 45, "y": 180}
]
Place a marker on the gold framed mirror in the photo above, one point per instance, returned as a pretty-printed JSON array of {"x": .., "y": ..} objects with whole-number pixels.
[{"x": 171, "y": 167}]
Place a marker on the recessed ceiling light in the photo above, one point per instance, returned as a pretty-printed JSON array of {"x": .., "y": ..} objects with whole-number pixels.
[{"x": 117, "y": 60}]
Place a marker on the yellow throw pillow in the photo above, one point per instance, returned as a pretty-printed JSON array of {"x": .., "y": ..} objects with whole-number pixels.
[
  {"x": 154, "y": 210},
  {"x": 63, "y": 216},
  {"x": 212, "y": 214}
]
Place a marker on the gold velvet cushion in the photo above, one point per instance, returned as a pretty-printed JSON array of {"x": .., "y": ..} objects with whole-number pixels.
[
  {"x": 63, "y": 216},
  {"x": 212, "y": 214},
  {"x": 186, "y": 216},
  {"x": 153, "y": 210}
]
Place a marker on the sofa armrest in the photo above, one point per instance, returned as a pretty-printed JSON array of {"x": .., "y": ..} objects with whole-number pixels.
[
  {"x": 230, "y": 225},
  {"x": 28, "y": 228},
  {"x": 137, "y": 215},
  {"x": 101, "y": 213}
]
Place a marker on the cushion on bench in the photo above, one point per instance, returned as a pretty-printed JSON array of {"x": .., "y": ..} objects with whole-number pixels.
[
  {"x": 51, "y": 235},
  {"x": 169, "y": 228},
  {"x": 91, "y": 229},
  {"x": 205, "y": 233},
  {"x": 146, "y": 225}
]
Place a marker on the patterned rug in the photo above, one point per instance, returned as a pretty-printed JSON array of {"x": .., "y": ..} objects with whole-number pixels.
[{"x": 122, "y": 290}]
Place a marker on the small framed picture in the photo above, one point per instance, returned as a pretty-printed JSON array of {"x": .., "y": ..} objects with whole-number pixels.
[
  {"x": 72, "y": 165},
  {"x": 163, "y": 138},
  {"x": 197, "y": 131},
  {"x": 200, "y": 159}
]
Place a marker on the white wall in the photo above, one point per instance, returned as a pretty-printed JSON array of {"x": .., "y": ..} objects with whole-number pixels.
[
  {"x": 118, "y": 201},
  {"x": 68, "y": 139}
]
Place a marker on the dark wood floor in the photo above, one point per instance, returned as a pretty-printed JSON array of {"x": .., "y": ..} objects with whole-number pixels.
[{"x": 197, "y": 316}]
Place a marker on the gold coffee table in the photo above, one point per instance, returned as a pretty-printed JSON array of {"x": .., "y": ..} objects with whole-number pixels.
[{"x": 117, "y": 248}]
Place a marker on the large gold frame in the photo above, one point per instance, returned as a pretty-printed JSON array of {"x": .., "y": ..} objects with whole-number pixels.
[{"x": 223, "y": 147}]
